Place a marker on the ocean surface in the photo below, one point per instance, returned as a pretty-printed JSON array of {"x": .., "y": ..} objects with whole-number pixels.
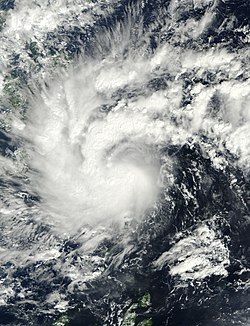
[{"x": 124, "y": 163}]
